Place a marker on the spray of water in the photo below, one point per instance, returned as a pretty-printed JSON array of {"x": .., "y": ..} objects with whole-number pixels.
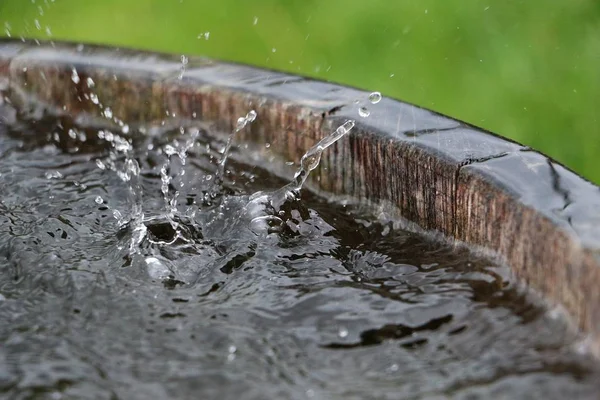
[
  {"x": 241, "y": 124},
  {"x": 181, "y": 152},
  {"x": 267, "y": 204},
  {"x": 260, "y": 212}
]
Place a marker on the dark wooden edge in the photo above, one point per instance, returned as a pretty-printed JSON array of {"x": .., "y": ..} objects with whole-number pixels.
[{"x": 442, "y": 174}]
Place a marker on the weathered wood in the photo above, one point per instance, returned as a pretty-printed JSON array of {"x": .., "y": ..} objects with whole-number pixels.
[{"x": 440, "y": 173}]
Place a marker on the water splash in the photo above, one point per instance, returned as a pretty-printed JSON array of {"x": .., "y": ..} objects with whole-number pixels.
[
  {"x": 183, "y": 68},
  {"x": 310, "y": 160},
  {"x": 259, "y": 212},
  {"x": 242, "y": 122},
  {"x": 269, "y": 203},
  {"x": 181, "y": 152}
]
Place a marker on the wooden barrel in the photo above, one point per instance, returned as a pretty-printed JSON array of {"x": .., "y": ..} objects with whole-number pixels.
[{"x": 443, "y": 175}]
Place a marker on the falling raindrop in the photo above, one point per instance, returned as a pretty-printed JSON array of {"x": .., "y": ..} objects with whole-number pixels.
[{"x": 364, "y": 112}]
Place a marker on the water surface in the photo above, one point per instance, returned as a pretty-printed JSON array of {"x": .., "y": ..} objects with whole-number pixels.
[{"x": 112, "y": 286}]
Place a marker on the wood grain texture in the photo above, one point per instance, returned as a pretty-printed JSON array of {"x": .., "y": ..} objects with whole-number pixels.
[{"x": 438, "y": 172}]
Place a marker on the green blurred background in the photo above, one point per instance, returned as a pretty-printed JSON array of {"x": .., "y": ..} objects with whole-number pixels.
[{"x": 528, "y": 70}]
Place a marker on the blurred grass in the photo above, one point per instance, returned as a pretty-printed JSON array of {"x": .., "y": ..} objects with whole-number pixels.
[{"x": 528, "y": 70}]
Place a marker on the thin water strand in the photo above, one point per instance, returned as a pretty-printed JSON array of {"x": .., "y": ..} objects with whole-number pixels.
[
  {"x": 310, "y": 160},
  {"x": 180, "y": 152},
  {"x": 265, "y": 202},
  {"x": 242, "y": 122}
]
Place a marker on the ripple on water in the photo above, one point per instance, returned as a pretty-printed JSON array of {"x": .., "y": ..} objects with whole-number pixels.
[{"x": 318, "y": 305}]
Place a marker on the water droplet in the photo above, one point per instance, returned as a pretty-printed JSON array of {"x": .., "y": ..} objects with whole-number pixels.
[
  {"x": 90, "y": 82},
  {"x": 99, "y": 200},
  {"x": 394, "y": 367},
  {"x": 343, "y": 332},
  {"x": 118, "y": 216},
  {"x": 94, "y": 98},
  {"x": 53, "y": 175},
  {"x": 273, "y": 50},
  {"x": 108, "y": 113},
  {"x": 251, "y": 116},
  {"x": 241, "y": 122},
  {"x": 364, "y": 112},
  {"x": 75, "y": 76},
  {"x": 170, "y": 150},
  {"x": 375, "y": 97},
  {"x": 184, "y": 62},
  {"x": 385, "y": 231},
  {"x": 255, "y": 21},
  {"x": 100, "y": 164},
  {"x": 72, "y": 134},
  {"x": 231, "y": 350},
  {"x": 37, "y": 24}
]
